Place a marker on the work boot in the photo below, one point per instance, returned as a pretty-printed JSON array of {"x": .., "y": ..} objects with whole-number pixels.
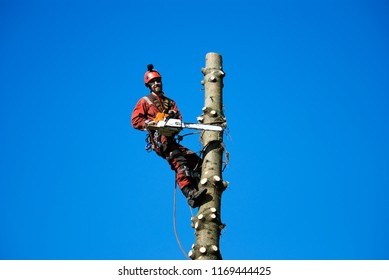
[{"x": 193, "y": 196}]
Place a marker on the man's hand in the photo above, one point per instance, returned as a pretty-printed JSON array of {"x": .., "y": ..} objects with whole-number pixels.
[
  {"x": 150, "y": 123},
  {"x": 172, "y": 114}
]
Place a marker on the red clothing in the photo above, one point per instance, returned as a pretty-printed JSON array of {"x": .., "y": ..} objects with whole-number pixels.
[
  {"x": 144, "y": 111},
  {"x": 181, "y": 159}
]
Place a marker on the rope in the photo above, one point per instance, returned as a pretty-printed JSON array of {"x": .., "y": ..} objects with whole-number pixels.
[
  {"x": 181, "y": 137},
  {"x": 175, "y": 222}
]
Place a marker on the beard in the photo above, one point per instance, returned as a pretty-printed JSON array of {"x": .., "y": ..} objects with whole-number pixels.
[{"x": 157, "y": 89}]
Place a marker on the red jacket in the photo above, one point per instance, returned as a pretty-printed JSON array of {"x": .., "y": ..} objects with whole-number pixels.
[{"x": 146, "y": 109}]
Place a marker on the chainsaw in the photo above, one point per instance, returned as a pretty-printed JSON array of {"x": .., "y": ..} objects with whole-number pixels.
[{"x": 170, "y": 126}]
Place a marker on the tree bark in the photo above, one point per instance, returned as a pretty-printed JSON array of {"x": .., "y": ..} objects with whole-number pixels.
[{"x": 207, "y": 223}]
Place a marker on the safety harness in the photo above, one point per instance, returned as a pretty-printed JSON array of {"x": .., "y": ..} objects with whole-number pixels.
[
  {"x": 153, "y": 139},
  {"x": 164, "y": 107}
]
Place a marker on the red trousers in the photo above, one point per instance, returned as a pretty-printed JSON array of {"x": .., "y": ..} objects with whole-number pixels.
[{"x": 183, "y": 161}]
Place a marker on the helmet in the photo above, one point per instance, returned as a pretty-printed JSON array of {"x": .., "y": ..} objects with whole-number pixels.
[{"x": 151, "y": 74}]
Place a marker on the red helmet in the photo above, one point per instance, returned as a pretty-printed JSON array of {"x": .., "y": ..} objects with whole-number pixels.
[{"x": 151, "y": 74}]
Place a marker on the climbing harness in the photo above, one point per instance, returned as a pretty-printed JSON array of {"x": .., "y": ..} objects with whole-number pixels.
[{"x": 163, "y": 107}]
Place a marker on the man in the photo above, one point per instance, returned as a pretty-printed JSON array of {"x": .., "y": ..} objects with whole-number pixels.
[{"x": 182, "y": 160}]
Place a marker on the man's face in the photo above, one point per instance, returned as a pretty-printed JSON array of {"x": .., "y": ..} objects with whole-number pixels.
[{"x": 156, "y": 85}]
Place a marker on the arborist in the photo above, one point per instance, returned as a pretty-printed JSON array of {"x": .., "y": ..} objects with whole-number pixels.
[{"x": 183, "y": 161}]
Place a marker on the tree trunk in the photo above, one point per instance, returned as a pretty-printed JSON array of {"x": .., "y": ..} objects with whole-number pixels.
[{"x": 207, "y": 223}]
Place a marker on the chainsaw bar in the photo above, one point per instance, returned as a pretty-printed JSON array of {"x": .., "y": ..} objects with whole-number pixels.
[
  {"x": 202, "y": 126},
  {"x": 176, "y": 125}
]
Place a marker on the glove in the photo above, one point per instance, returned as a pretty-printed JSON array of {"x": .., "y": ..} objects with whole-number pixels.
[{"x": 172, "y": 114}]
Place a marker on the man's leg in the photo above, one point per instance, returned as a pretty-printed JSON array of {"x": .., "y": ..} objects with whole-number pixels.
[{"x": 178, "y": 161}]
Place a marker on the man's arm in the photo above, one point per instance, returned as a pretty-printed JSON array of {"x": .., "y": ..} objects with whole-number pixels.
[{"x": 139, "y": 115}]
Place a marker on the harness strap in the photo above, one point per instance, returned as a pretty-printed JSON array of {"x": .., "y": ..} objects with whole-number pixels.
[
  {"x": 155, "y": 137},
  {"x": 147, "y": 100},
  {"x": 164, "y": 107}
]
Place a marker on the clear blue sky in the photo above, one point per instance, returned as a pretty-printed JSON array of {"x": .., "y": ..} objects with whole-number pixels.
[{"x": 306, "y": 100}]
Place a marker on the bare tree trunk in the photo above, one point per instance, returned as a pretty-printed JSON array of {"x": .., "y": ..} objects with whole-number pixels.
[{"x": 207, "y": 222}]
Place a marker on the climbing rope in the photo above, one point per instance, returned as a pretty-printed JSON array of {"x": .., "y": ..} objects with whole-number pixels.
[
  {"x": 175, "y": 221},
  {"x": 181, "y": 137}
]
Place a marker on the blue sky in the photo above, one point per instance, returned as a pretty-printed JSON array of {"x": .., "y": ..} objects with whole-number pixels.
[{"x": 306, "y": 101}]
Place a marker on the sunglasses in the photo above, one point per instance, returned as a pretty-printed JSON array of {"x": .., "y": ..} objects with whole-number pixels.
[{"x": 156, "y": 80}]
